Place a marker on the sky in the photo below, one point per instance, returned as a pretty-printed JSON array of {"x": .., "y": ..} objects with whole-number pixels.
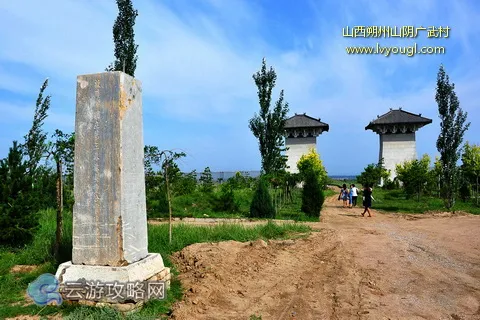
[{"x": 197, "y": 58}]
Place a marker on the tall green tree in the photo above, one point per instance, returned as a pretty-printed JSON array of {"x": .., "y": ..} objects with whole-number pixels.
[
  {"x": 35, "y": 141},
  {"x": 471, "y": 165},
  {"x": 62, "y": 152},
  {"x": 453, "y": 125},
  {"x": 124, "y": 39},
  {"x": 268, "y": 126}
]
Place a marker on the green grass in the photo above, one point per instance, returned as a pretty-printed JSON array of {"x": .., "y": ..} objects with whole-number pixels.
[
  {"x": 198, "y": 205},
  {"x": 39, "y": 252},
  {"x": 395, "y": 201}
]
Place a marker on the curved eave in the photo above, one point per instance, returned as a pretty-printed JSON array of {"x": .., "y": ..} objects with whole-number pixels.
[{"x": 371, "y": 125}]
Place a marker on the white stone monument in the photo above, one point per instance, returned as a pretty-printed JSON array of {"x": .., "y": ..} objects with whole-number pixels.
[
  {"x": 396, "y": 130},
  {"x": 109, "y": 215},
  {"x": 301, "y": 132}
]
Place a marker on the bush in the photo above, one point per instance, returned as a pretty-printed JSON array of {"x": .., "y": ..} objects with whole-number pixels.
[
  {"x": 226, "y": 202},
  {"x": 262, "y": 206},
  {"x": 391, "y": 185},
  {"x": 157, "y": 202},
  {"x": 312, "y": 195}
]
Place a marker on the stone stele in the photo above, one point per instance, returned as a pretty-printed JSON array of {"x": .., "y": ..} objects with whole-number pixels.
[{"x": 109, "y": 215}]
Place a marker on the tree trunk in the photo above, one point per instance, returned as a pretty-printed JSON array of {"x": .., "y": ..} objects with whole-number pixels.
[
  {"x": 169, "y": 207},
  {"x": 58, "y": 233}
]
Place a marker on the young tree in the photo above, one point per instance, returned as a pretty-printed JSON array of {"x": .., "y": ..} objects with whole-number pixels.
[
  {"x": 452, "y": 128},
  {"x": 262, "y": 206},
  {"x": 124, "y": 39},
  {"x": 18, "y": 219},
  {"x": 312, "y": 194},
  {"x": 35, "y": 146},
  {"x": 268, "y": 126},
  {"x": 206, "y": 181},
  {"x": 415, "y": 175},
  {"x": 471, "y": 165},
  {"x": 166, "y": 160},
  {"x": 311, "y": 162},
  {"x": 62, "y": 152},
  {"x": 373, "y": 174}
]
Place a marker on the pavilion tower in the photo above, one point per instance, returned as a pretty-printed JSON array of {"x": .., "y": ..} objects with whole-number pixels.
[
  {"x": 301, "y": 132},
  {"x": 396, "y": 129}
]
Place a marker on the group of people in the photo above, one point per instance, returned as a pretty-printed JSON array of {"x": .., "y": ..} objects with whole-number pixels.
[{"x": 350, "y": 195}]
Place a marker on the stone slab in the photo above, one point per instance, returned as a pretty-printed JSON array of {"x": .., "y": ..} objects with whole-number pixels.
[
  {"x": 141, "y": 270},
  {"x": 109, "y": 214}
]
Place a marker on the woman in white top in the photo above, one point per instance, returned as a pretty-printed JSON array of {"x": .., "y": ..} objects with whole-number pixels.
[{"x": 353, "y": 195}]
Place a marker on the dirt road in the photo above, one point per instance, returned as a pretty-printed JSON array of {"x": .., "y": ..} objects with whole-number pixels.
[{"x": 352, "y": 267}]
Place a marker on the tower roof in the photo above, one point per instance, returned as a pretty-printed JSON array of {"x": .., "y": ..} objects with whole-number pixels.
[
  {"x": 398, "y": 116},
  {"x": 303, "y": 121}
]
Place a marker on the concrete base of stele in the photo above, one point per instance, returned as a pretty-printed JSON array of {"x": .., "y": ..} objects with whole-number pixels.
[{"x": 124, "y": 288}]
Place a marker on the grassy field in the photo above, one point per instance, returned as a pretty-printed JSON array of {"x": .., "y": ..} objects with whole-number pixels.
[
  {"x": 13, "y": 286},
  {"x": 198, "y": 205},
  {"x": 395, "y": 201}
]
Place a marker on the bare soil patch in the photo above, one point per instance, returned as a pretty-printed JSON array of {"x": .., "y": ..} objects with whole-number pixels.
[
  {"x": 23, "y": 268},
  {"x": 353, "y": 267}
]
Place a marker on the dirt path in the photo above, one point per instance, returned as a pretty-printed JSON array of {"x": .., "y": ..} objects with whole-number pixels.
[{"x": 353, "y": 267}]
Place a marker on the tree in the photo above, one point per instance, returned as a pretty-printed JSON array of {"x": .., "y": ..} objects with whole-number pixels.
[
  {"x": 35, "y": 146},
  {"x": 415, "y": 175},
  {"x": 312, "y": 194},
  {"x": 62, "y": 152},
  {"x": 453, "y": 126},
  {"x": 373, "y": 174},
  {"x": 186, "y": 184},
  {"x": 206, "y": 181},
  {"x": 18, "y": 219},
  {"x": 225, "y": 201},
  {"x": 166, "y": 160},
  {"x": 471, "y": 165},
  {"x": 311, "y": 162},
  {"x": 124, "y": 39},
  {"x": 262, "y": 206},
  {"x": 268, "y": 126}
]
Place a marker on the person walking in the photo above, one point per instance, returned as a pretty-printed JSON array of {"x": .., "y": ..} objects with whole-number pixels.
[
  {"x": 367, "y": 200},
  {"x": 354, "y": 195},
  {"x": 344, "y": 195}
]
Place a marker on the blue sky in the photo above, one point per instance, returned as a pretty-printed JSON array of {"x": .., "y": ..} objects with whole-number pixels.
[{"x": 196, "y": 60}]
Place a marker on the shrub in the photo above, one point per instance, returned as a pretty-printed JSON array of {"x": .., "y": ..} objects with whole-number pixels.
[
  {"x": 262, "y": 206},
  {"x": 312, "y": 195},
  {"x": 225, "y": 201}
]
